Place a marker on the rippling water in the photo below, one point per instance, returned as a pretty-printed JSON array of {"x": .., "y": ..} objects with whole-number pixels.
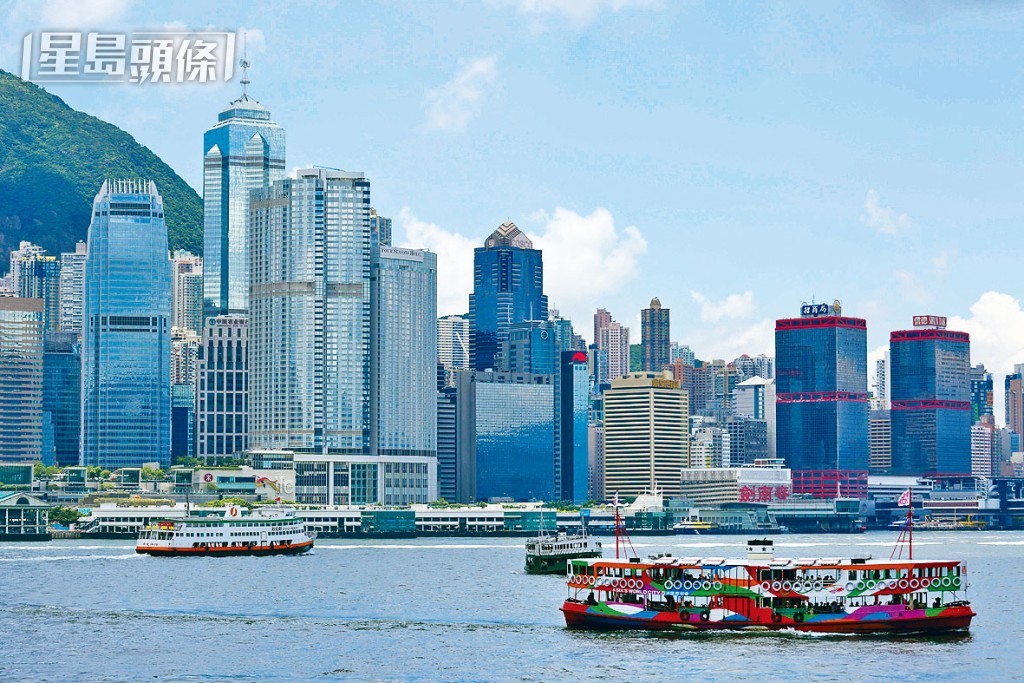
[{"x": 443, "y": 609}]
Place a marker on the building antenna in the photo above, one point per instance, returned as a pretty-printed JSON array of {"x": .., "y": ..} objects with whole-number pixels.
[{"x": 244, "y": 63}]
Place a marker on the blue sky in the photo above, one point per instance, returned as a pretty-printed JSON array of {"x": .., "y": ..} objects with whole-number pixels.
[{"x": 733, "y": 159}]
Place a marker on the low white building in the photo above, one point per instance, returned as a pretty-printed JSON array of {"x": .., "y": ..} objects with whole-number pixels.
[{"x": 765, "y": 482}]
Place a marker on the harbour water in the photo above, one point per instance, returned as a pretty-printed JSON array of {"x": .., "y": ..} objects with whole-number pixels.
[{"x": 445, "y": 610}]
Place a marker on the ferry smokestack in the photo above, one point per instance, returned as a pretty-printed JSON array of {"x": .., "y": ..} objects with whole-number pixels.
[{"x": 760, "y": 550}]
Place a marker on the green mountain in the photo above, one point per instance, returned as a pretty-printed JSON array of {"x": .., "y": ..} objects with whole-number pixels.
[{"x": 54, "y": 159}]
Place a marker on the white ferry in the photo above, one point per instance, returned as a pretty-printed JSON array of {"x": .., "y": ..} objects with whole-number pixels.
[{"x": 264, "y": 531}]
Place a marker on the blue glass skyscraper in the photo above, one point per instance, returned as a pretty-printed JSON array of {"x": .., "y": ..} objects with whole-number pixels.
[
  {"x": 243, "y": 151},
  {"x": 62, "y": 385},
  {"x": 508, "y": 288},
  {"x": 126, "y": 340},
  {"x": 822, "y": 400},
  {"x": 931, "y": 402}
]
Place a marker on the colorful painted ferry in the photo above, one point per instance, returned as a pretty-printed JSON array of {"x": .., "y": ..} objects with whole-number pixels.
[
  {"x": 265, "y": 531},
  {"x": 826, "y": 595}
]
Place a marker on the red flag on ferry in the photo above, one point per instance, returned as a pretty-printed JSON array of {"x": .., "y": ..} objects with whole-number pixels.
[{"x": 904, "y": 500}]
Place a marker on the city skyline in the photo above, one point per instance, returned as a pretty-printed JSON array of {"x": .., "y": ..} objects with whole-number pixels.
[{"x": 894, "y": 185}]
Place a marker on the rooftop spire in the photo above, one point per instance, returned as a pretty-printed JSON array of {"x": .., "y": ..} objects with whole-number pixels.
[{"x": 244, "y": 63}]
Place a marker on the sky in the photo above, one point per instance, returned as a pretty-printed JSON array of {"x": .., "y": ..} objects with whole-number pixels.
[{"x": 732, "y": 159}]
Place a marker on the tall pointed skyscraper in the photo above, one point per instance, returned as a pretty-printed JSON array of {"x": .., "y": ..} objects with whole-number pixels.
[
  {"x": 508, "y": 288},
  {"x": 242, "y": 152},
  {"x": 126, "y": 336}
]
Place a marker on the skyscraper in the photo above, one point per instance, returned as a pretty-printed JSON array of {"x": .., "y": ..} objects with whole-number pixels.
[
  {"x": 880, "y": 441},
  {"x": 25, "y": 250},
  {"x": 508, "y": 288},
  {"x": 72, "y": 285},
  {"x": 62, "y": 387},
  {"x": 243, "y": 151},
  {"x": 602, "y": 319},
  {"x": 187, "y": 291},
  {"x": 404, "y": 351},
  {"x": 654, "y": 329},
  {"x": 646, "y": 434},
  {"x": 309, "y": 339},
  {"x": 822, "y": 401},
  {"x": 126, "y": 341},
  {"x": 39, "y": 278},
  {"x": 1013, "y": 395},
  {"x": 981, "y": 392},
  {"x": 931, "y": 400},
  {"x": 222, "y": 388},
  {"x": 613, "y": 339},
  {"x": 21, "y": 379},
  {"x": 380, "y": 229},
  {"x": 453, "y": 345}
]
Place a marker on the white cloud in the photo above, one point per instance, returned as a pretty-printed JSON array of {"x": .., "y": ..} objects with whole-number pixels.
[
  {"x": 454, "y": 260},
  {"x": 881, "y": 218},
  {"x": 586, "y": 258},
  {"x": 996, "y": 326},
  {"x": 730, "y": 339},
  {"x": 914, "y": 292},
  {"x": 255, "y": 41},
  {"x": 732, "y": 306},
  {"x": 579, "y": 13},
  {"x": 580, "y": 254},
  {"x": 78, "y": 14},
  {"x": 452, "y": 105}
]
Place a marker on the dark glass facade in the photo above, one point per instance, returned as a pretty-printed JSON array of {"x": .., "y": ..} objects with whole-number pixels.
[
  {"x": 931, "y": 402},
  {"x": 822, "y": 401},
  {"x": 508, "y": 288},
  {"x": 62, "y": 377}
]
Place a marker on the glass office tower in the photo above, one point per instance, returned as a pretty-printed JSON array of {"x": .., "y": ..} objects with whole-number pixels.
[
  {"x": 126, "y": 341},
  {"x": 62, "y": 386},
  {"x": 931, "y": 402},
  {"x": 309, "y": 322},
  {"x": 822, "y": 400},
  {"x": 508, "y": 288},
  {"x": 242, "y": 152},
  {"x": 21, "y": 379}
]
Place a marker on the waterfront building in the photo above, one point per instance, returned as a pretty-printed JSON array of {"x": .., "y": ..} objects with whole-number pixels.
[
  {"x": 62, "y": 386},
  {"x": 309, "y": 353},
  {"x": 21, "y": 379},
  {"x": 766, "y": 481},
  {"x": 222, "y": 388},
  {"x": 822, "y": 401},
  {"x": 931, "y": 407},
  {"x": 710, "y": 446},
  {"x": 25, "y": 251},
  {"x": 505, "y": 431},
  {"x": 452, "y": 345},
  {"x": 187, "y": 291},
  {"x": 242, "y": 152},
  {"x": 984, "y": 449},
  {"x": 39, "y": 278},
  {"x": 72, "y": 286},
  {"x": 23, "y": 517},
  {"x": 380, "y": 229},
  {"x": 403, "y": 334},
  {"x": 126, "y": 341},
  {"x": 646, "y": 434},
  {"x": 347, "y": 479},
  {"x": 879, "y": 442},
  {"x": 508, "y": 288},
  {"x": 981, "y": 392},
  {"x": 654, "y": 330}
]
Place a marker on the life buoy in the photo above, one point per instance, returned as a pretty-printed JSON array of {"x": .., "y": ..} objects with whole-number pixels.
[
  {"x": 776, "y": 617},
  {"x": 637, "y": 584},
  {"x": 591, "y": 580},
  {"x": 777, "y": 586},
  {"x": 705, "y": 585},
  {"x": 904, "y": 584},
  {"x": 705, "y": 615},
  {"x": 687, "y": 585},
  {"x": 871, "y": 584},
  {"x": 915, "y": 584},
  {"x": 234, "y": 512},
  {"x": 947, "y": 582},
  {"x": 818, "y": 585},
  {"x": 860, "y": 585},
  {"x": 927, "y": 582},
  {"x": 717, "y": 585},
  {"x": 766, "y": 586},
  {"x": 798, "y": 617},
  {"x": 787, "y": 586},
  {"x": 850, "y": 585}
]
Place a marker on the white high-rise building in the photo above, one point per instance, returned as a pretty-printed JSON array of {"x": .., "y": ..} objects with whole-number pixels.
[
  {"x": 881, "y": 383},
  {"x": 614, "y": 338},
  {"x": 24, "y": 252},
  {"x": 184, "y": 355},
  {"x": 710, "y": 447},
  {"x": 453, "y": 345},
  {"x": 222, "y": 388},
  {"x": 72, "y": 287},
  {"x": 755, "y": 398}
]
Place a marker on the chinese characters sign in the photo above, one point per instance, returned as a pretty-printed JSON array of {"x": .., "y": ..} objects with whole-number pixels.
[
  {"x": 145, "y": 57},
  {"x": 763, "y": 494}
]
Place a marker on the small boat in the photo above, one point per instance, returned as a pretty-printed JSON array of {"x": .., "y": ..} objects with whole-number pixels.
[{"x": 264, "y": 531}]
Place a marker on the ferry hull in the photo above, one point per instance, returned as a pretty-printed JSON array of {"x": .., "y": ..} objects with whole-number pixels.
[
  {"x": 294, "y": 549},
  {"x": 554, "y": 564},
  {"x": 603, "y": 617}
]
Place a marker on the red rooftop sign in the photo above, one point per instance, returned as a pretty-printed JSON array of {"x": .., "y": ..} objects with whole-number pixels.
[{"x": 930, "y": 321}]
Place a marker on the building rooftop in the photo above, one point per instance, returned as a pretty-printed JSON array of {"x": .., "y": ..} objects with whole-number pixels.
[{"x": 508, "y": 235}]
